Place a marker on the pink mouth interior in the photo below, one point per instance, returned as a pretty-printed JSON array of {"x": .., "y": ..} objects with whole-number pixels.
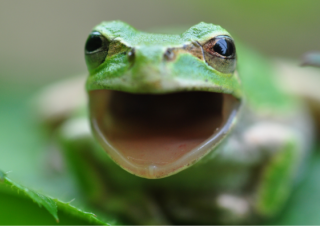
[{"x": 140, "y": 131}]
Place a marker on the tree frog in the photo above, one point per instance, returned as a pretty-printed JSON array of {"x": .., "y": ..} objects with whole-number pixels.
[{"x": 189, "y": 128}]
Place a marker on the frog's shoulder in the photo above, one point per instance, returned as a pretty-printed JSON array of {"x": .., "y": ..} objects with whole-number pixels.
[
  {"x": 55, "y": 103},
  {"x": 259, "y": 78}
]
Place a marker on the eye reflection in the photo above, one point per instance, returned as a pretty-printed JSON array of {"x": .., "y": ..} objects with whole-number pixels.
[
  {"x": 94, "y": 42},
  {"x": 96, "y": 49},
  {"x": 220, "y": 54},
  {"x": 224, "y": 47}
]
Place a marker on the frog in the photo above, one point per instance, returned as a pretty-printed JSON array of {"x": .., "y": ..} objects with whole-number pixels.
[{"x": 187, "y": 128}]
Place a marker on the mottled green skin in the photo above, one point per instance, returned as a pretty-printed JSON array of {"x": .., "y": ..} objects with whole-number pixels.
[{"x": 151, "y": 73}]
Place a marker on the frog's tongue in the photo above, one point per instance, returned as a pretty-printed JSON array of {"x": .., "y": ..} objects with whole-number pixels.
[{"x": 154, "y": 136}]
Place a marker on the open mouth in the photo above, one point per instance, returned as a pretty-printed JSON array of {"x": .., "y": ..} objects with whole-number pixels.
[{"x": 156, "y": 135}]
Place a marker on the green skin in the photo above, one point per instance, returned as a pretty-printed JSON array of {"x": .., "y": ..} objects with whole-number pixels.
[{"x": 202, "y": 190}]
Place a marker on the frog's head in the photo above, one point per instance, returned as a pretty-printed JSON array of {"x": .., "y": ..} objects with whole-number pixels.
[{"x": 159, "y": 103}]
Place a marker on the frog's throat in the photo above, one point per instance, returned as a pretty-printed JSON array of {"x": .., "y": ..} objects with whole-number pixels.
[{"x": 157, "y": 135}]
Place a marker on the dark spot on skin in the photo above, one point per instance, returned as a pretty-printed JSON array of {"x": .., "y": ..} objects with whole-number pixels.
[
  {"x": 193, "y": 162},
  {"x": 169, "y": 54},
  {"x": 131, "y": 55}
]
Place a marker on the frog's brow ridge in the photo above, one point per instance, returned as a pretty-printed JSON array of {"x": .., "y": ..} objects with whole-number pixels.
[{"x": 200, "y": 48}]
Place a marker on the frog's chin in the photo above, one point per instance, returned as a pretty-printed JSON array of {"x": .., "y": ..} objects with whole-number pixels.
[{"x": 157, "y": 135}]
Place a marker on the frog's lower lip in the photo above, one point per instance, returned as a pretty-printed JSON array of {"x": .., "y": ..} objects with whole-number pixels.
[{"x": 157, "y": 135}]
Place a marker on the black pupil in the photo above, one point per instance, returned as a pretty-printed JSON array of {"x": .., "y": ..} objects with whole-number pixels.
[
  {"x": 94, "y": 42},
  {"x": 224, "y": 47}
]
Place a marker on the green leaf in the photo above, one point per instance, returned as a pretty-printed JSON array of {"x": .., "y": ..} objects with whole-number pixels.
[{"x": 21, "y": 205}]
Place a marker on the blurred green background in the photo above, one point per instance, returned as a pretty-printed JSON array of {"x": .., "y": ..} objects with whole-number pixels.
[{"x": 43, "y": 41}]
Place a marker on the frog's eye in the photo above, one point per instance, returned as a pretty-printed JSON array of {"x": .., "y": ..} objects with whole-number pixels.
[
  {"x": 96, "y": 49},
  {"x": 224, "y": 47},
  {"x": 220, "y": 53}
]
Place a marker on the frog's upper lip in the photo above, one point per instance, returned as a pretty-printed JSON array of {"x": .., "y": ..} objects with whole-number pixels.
[
  {"x": 164, "y": 83},
  {"x": 157, "y": 135}
]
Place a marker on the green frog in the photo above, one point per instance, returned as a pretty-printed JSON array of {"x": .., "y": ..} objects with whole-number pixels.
[{"x": 190, "y": 128}]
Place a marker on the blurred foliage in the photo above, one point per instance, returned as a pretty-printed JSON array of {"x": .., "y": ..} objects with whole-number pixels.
[
  {"x": 44, "y": 40},
  {"x": 311, "y": 59},
  {"x": 25, "y": 157},
  {"x": 23, "y": 153}
]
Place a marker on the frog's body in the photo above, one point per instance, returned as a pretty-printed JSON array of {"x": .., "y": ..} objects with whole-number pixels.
[{"x": 236, "y": 167}]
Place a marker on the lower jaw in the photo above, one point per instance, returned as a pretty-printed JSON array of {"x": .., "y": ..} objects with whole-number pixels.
[{"x": 157, "y": 135}]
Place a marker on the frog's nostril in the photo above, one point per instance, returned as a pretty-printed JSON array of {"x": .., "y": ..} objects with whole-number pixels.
[
  {"x": 169, "y": 54},
  {"x": 131, "y": 55}
]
